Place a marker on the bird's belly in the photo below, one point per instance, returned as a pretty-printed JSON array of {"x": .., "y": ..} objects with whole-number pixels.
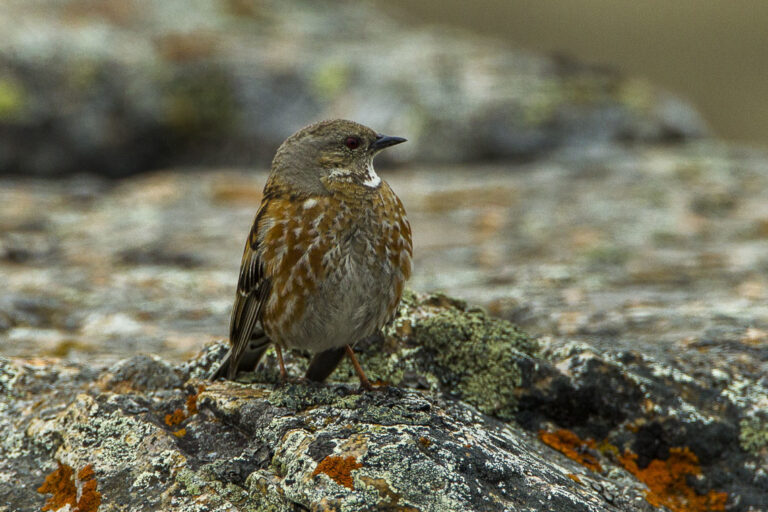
[{"x": 349, "y": 304}]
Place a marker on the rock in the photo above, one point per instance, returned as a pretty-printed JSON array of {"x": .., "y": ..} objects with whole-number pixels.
[
  {"x": 141, "y": 373},
  {"x": 255, "y": 447},
  {"x": 125, "y": 86},
  {"x": 562, "y": 428}
]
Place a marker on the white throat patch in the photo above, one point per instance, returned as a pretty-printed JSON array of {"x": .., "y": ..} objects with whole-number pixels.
[
  {"x": 340, "y": 173},
  {"x": 372, "y": 179}
]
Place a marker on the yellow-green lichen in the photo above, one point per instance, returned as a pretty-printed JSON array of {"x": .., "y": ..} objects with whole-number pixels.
[
  {"x": 476, "y": 355},
  {"x": 638, "y": 95},
  {"x": 439, "y": 343},
  {"x": 753, "y": 435},
  {"x": 542, "y": 104},
  {"x": 302, "y": 395},
  {"x": 12, "y": 99},
  {"x": 330, "y": 79}
]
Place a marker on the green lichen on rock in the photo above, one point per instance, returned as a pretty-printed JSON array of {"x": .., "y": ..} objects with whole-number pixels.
[
  {"x": 12, "y": 99},
  {"x": 753, "y": 434},
  {"x": 301, "y": 395},
  {"x": 219, "y": 494},
  {"x": 440, "y": 343},
  {"x": 330, "y": 79}
]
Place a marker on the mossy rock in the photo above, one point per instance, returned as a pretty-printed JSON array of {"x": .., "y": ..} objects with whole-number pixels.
[{"x": 440, "y": 344}]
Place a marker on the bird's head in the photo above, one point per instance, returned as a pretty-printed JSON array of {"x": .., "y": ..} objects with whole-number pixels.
[{"x": 330, "y": 153}]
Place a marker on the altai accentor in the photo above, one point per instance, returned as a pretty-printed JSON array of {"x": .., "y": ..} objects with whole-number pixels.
[{"x": 328, "y": 254}]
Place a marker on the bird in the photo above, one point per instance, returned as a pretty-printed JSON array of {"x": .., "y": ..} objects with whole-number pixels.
[{"x": 327, "y": 257}]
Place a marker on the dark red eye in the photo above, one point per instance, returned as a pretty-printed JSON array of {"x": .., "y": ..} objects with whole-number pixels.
[{"x": 352, "y": 142}]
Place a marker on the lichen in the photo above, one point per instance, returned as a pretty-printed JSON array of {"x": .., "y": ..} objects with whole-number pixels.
[
  {"x": 339, "y": 469},
  {"x": 573, "y": 447},
  {"x": 90, "y": 498},
  {"x": 442, "y": 344},
  {"x": 753, "y": 434},
  {"x": 191, "y": 402},
  {"x": 299, "y": 396},
  {"x": 469, "y": 351},
  {"x": 12, "y": 99},
  {"x": 330, "y": 79},
  {"x": 179, "y": 415},
  {"x": 61, "y": 484},
  {"x": 667, "y": 484},
  {"x": 175, "y": 417},
  {"x": 8, "y": 376}
]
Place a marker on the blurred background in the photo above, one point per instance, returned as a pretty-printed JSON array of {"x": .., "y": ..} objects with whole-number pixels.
[
  {"x": 588, "y": 169},
  {"x": 712, "y": 52}
]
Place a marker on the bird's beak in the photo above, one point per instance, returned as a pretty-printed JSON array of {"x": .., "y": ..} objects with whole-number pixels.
[{"x": 384, "y": 141}]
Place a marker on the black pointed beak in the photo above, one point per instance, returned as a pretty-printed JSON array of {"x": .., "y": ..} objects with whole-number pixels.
[{"x": 384, "y": 141}]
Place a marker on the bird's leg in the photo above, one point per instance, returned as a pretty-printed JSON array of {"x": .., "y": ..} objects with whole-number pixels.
[
  {"x": 283, "y": 372},
  {"x": 364, "y": 382}
]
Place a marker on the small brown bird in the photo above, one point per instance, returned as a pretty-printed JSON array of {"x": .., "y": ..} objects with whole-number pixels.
[{"x": 328, "y": 254}]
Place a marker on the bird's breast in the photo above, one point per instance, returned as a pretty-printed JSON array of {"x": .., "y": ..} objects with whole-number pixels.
[{"x": 336, "y": 262}]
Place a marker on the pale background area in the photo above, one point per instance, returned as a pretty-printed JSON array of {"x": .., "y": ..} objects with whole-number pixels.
[{"x": 713, "y": 53}]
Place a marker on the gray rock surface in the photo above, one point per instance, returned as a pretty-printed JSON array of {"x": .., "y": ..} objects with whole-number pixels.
[
  {"x": 147, "y": 435},
  {"x": 641, "y": 272},
  {"x": 255, "y": 446},
  {"x": 117, "y": 87}
]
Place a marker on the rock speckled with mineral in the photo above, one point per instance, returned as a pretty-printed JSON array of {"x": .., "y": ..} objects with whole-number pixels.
[
  {"x": 158, "y": 443},
  {"x": 153, "y": 435}
]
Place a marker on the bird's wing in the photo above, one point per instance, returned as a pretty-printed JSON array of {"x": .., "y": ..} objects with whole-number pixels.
[{"x": 252, "y": 292}]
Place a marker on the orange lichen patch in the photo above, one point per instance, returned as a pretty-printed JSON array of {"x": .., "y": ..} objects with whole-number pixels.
[
  {"x": 61, "y": 485},
  {"x": 86, "y": 473},
  {"x": 339, "y": 469},
  {"x": 90, "y": 498},
  {"x": 574, "y": 477},
  {"x": 425, "y": 442},
  {"x": 180, "y": 415},
  {"x": 192, "y": 400},
  {"x": 573, "y": 447},
  {"x": 175, "y": 417},
  {"x": 666, "y": 482},
  {"x": 180, "y": 433}
]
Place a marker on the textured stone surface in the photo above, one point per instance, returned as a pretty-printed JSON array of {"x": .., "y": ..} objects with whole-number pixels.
[
  {"x": 641, "y": 272},
  {"x": 155, "y": 436},
  {"x": 122, "y": 86}
]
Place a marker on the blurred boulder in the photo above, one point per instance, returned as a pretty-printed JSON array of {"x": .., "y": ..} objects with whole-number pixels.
[{"x": 117, "y": 87}]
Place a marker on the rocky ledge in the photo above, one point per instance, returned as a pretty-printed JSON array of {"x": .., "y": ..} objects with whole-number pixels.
[{"x": 471, "y": 414}]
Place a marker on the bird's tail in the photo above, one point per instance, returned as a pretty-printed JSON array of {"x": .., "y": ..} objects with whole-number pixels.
[{"x": 257, "y": 345}]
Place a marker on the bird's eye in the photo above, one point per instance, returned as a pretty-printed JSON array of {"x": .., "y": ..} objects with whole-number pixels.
[{"x": 352, "y": 142}]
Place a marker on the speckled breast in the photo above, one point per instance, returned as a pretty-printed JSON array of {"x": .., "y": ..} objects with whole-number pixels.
[{"x": 337, "y": 266}]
